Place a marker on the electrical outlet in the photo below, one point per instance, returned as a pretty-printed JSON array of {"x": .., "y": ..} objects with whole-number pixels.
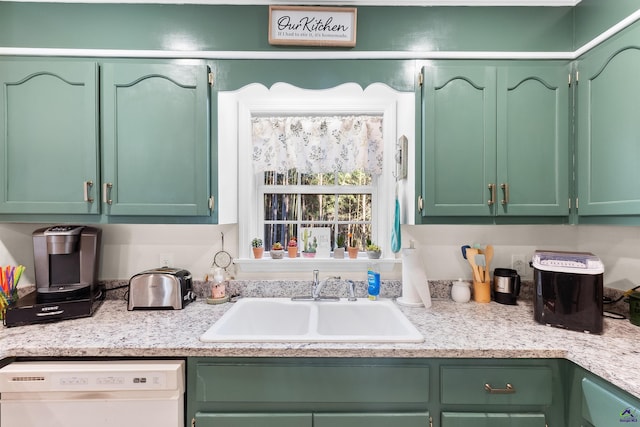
[
  {"x": 166, "y": 259},
  {"x": 519, "y": 264}
]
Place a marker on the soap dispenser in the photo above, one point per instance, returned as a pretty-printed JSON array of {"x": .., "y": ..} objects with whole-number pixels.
[{"x": 373, "y": 281}]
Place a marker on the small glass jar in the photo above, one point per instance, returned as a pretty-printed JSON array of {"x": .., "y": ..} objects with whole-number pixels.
[
  {"x": 460, "y": 291},
  {"x": 219, "y": 285}
]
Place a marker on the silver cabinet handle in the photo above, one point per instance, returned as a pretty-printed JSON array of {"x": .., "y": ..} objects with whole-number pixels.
[
  {"x": 420, "y": 203},
  {"x": 507, "y": 390},
  {"x": 492, "y": 190},
  {"x": 505, "y": 189},
  {"x": 87, "y": 187},
  {"x": 106, "y": 190}
]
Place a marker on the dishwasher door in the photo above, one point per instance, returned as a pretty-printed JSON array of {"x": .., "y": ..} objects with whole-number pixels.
[{"x": 97, "y": 393}]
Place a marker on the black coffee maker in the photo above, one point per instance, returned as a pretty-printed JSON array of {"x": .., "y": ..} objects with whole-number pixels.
[
  {"x": 506, "y": 286},
  {"x": 66, "y": 262}
]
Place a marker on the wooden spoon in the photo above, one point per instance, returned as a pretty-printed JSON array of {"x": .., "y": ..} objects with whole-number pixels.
[
  {"x": 471, "y": 257},
  {"x": 488, "y": 256}
]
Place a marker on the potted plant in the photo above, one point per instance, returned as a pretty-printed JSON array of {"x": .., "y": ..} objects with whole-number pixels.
[
  {"x": 277, "y": 251},
  {"x": 338, "y": 251},
  {"x": 373, "y": 250},
  {"x": 292, "y": 247},
  {"x": 258, "y": 249},
  {"x": 353, "y": 247}
]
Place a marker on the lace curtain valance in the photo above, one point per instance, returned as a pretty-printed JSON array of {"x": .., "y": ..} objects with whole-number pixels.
[{"x": 318, "y": 144}]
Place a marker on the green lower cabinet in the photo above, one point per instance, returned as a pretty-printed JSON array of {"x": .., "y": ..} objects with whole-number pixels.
[
  {"x": 253, "y": 420},
  {"x": 478, "y": 419},
  {"x": 316, "y": 420},
  {"x": 372, "y": 420},
  {"x": 603, "y": 406},
  {"x": 375, "y": 392}
]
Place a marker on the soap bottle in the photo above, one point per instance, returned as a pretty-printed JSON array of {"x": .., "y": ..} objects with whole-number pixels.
[{"x": 373, "y": 280}]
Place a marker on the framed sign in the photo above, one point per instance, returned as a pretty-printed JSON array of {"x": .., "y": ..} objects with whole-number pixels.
[{"x": 317, "y": 26}]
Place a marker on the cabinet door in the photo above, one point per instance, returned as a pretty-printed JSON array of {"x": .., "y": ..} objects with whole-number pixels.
[
  {"x": 204, "y": 419},
  {"x": 156, "y": 139},
  {"x": 603, "y": 407},
  {"x": 533, "y": 140},
  {"x": 477, "y": 419},
  {"x": 459, "y": 137},
  {"x": 607, "y": 132},
  {"x": 420, "y": 419},
  {"x": 48, "y": 137}
]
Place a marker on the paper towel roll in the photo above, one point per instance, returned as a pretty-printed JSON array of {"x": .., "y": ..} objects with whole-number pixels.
[{"x": 415, "y": 286}]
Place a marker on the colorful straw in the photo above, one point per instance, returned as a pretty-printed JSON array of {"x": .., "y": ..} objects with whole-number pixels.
[{"x": 9, "y": 278}]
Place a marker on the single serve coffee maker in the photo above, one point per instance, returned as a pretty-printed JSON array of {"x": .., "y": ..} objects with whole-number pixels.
[{"x": 66, "y": 262}]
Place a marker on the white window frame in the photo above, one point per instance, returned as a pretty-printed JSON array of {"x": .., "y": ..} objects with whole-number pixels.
[
  {"x": 327, "y": 189},
  {"x": 238, "y": 199}
]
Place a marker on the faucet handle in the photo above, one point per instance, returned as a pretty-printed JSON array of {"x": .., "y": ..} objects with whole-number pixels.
[{"x": 351, "y": 289}]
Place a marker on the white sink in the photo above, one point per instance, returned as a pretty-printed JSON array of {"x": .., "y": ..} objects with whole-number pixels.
[{"x": 283, "y": 320}]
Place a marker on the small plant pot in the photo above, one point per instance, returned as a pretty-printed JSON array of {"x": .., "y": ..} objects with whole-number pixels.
[
  {"x": 293, "y": 251},
  {"x": 374, "y": 254},
  {"x": 353, "y": 252},
  {"x": 308, "y": 254},
  {"x": 277, "y": 253},
  {"x": 257, "y": 252},
  {"x": 338, "y": 253}
]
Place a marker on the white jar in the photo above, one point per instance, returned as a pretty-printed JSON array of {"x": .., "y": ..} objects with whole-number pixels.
[{"x": 460, "y": 291}]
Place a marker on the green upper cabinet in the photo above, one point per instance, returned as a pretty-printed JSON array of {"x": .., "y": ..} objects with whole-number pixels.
[
  {"x": 495, "y": 140},
  {"x": 49, "y": 137},
  {"x": 608, "y": 129},
  {"x": 155, "y": 153},
  {"x": 459, "y": 136}
]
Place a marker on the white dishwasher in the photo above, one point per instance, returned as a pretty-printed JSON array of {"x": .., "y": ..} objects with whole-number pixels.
[{"x": 92, "y": 393}]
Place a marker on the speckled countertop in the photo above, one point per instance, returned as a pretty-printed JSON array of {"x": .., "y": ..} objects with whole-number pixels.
[{"x": 451, "y": 329}]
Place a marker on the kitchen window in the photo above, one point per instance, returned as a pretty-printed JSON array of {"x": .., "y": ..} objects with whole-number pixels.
[
  {"x": 275, "y": 204},
  {"x": 340, "y": 202},
  {"x": 316, "y": 178}
]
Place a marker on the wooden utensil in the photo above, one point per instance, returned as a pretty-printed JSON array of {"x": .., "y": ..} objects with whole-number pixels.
[
  {"x": 471, "y": 257},
  {"x": 482, "y": 265},
  {"x": 488, "y": 257}
]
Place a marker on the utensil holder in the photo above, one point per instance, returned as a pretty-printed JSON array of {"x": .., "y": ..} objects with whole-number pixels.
[{"x": 482, "y": 291}]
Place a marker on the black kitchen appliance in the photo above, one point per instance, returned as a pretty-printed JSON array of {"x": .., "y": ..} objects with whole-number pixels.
[
  {"x": 506, "y": 286},
  {"x": 569, "y": 290},
  {"x": 66, "y": 259}
]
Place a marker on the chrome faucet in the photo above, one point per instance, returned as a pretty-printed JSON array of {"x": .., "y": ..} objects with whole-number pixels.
[{"x": 318, "y": 285}]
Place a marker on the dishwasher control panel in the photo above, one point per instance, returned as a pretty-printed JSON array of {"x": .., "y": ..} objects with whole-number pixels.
[{"x": 92, "y": 376}]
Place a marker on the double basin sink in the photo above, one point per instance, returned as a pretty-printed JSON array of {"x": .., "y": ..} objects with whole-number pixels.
[{"x": 284, "y": 320}]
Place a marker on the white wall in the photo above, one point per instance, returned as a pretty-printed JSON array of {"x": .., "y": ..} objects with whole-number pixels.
[{"x": 128, "y": 249}]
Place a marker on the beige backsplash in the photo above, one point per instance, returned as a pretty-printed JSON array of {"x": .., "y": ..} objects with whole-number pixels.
[{"x": 128, "y": 249}]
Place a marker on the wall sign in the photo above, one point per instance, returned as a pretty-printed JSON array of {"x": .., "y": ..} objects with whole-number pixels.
[{"x": 318, "y": 26}]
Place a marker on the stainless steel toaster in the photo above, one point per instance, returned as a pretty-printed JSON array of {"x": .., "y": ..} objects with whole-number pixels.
[{"x": 163, "y": 288}]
